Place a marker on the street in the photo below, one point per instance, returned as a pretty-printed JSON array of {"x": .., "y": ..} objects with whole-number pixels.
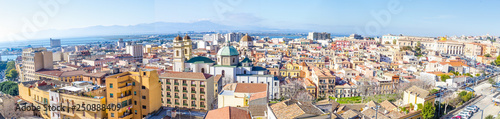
[{"x": 484, "y": 103}]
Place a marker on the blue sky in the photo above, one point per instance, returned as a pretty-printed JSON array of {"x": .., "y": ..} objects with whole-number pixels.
[{"x": 417, "y": 17}]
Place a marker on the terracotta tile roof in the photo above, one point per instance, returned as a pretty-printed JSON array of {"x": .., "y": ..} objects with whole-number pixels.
[
  {"x": 95, "y": 74},
  {"x": 350, "y": 114},
  {"x": 217, "y": 78},
  {"x": 250, "y": 87},
  {"x": 228, "y": 113},
  {"x": 188, "y": 75},
  {"x": 388, "y": 105},
  {"x": 290, "y": 108},
  {"x": 418, "y": 91},
  {"x": 371, "y": 113},
  {"x": 258, "y": 96},
  {"x": 371, "y": 104},
  {"x": 72, "y": 73},
  {"x": 49, "y": 72}
]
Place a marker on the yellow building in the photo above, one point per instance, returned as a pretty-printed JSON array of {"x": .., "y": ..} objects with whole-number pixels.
[
  {"x": 415, "y": 95},
  {"x": 65, "y": 96},
  {"x": 137, "y": 93},
  {"x": 66, "y": 76},
  {"x": 292, "y": 70}
]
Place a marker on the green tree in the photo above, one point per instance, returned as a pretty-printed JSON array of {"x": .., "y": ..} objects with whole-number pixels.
[
  {"x": 489, "y": 117},
  {"x": 420, "y": 106},
  {"x": 12, "y": 74},
  {"x": 428, "y": 111},
  {"x": 434, "y": 91},
  {"x": 491, "y": 81},
  {"x": 478, "y": 74},
  {"x": 394, "y": 41},
  {"x": 463, "y": 93},
  {"x": 497, "y": 61},
  {"x": 444, "y": 77},
  {"x": 9, "y": 87},
  {"x": 468, "y": 74},
  {"x": 487, "y": 55}
]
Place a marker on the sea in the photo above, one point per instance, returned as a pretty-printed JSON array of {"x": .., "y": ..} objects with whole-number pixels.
[{"x": 71, "y": 42}]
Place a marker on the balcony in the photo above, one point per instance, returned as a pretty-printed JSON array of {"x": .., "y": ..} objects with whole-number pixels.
[
  {"x": 176, "y": 96},
  {"x": 184, "y": 91},
  {"x": 168, "y": 89},
  {"x": 176, "y": 103},
  {"x": 125, "y": 116},
  {"x": 125, "y": 88},
  {"x": 193, "y": 84},
  {"x": 202, "y": 85},
  {"x": 184, "y": 84},
  {"x": 70, "y": 114},
  {"x": 168, "y": 83},
  {"x": 176, "y": 83},
  {"x": 202, "y": 106},
  {"x": 124, "y": 97},
  {"x": 193, "y": 98},
  {"x": 202, "y": 99},
  {"x": 185, "y": 104},
  {"x": 185, "y": 97},
  {"x": 169, "y": 96},
  {"x": 169, "y": 102},
  {"x": 202, "y": 92}
]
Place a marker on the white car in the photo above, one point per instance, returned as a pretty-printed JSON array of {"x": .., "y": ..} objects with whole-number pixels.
[
  {"x": 464, "y": 116},
  {"x": 466, "y": 113},
  {"x": 473, "y": 107}
]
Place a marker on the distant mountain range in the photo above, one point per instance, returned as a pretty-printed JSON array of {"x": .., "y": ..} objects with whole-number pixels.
[{"x": 155, "y": 28}]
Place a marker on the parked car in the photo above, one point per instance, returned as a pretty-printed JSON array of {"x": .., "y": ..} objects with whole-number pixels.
[
  {"x": 471, "y": 110},
  {"x": 469, "y": 89},
  {"x": 456, "y": 117},
  {"x": 464, "y": 116},
  {"x": 474, "y": 107},
  {"x": 466, "y": 113}
]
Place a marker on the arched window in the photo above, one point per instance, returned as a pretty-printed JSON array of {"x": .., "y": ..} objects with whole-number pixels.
[
  {"x": 202, "y": 70},
  {"x": 223, "y": 72},
  {"x": 233, "y": 60},
  {"x": 177, "y": 53},
  {"x": 244, "y": 71},
  {"x": 185, "y": 51}
]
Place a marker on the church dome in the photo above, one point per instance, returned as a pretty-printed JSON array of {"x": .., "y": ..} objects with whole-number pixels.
[
  {"x": 200, "y": 59},
  {"x": 246, "y": 38},
  {"x": 186, "y": 37},
  {"x": 228, "y": 51},
  {"x": 178, "y": 38}
]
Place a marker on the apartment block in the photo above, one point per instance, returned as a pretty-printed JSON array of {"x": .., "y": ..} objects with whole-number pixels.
[
  {"x": 189, "y": 90},
  {"x": 34, "y": 59},
  {"x": 137, "y": 93}
]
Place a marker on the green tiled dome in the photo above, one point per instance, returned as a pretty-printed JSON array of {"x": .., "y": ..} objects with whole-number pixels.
[
  {"x": 200, "y": 59},
  {"x": 228, "y": 51}
]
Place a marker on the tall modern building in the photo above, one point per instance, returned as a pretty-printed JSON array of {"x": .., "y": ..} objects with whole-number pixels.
[
  {"x": 135, "y": 50},
  {"x": 137, "y": 93},
  {"x": 318, "y": 36},
  {"x": 34, "y": 59},
  {"x": 233, "y": 37},
  {"x": 120, "y": 43},
  {"x": 54, "y": 43}
]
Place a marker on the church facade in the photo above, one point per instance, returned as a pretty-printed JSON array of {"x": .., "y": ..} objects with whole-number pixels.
[{"x": 228, "y": 65}]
